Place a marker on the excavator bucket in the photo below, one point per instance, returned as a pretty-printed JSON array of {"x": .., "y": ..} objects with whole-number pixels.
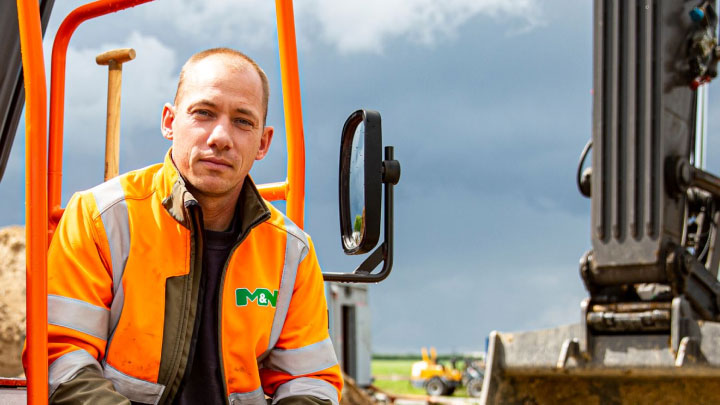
[{"x": 547, "y": 367}]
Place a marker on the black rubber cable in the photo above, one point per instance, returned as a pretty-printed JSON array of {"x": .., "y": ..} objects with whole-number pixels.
[{"x": 583, "y": 156}]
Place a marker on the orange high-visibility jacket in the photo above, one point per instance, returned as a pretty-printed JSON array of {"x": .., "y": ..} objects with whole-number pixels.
[{"x": 124, "y": 270}]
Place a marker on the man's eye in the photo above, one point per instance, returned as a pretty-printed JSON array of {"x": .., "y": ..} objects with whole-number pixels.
[
  {"x": 204, "y": 113},
  {"x": 243, "y": 122}
]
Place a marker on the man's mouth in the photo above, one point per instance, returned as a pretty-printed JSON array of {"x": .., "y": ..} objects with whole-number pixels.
[{"x": 218, "y": 162}]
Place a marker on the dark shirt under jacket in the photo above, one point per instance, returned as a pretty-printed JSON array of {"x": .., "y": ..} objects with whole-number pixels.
[{"x": 203, "y": 384}]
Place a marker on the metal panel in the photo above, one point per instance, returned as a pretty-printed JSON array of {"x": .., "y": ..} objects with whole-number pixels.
[
  {"x": 350, "y": 329},
  {"x": 13, "y": 396},
  {"x": 643, "y": 113},
  {"x": 12, "y": 91},
  {"x": 363, "y": 346}
]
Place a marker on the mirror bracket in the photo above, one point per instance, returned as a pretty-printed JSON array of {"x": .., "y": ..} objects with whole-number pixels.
[
  {"x": 383, "y": 253},
  {"x": 390, "y": 171}
]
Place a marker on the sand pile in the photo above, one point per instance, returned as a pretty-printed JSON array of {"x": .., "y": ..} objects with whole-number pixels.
[{"x": 12, "y": 299}]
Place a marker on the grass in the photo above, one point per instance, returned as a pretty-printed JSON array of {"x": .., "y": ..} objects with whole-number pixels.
[
  {"x": 393, "y": 376},
  {"x": 392, "y": 367}
]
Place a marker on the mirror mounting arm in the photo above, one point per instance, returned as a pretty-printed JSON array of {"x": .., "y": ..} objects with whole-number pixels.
[
  {"x": 384, "y": 252},
  {"x": 390, "y": 168}
]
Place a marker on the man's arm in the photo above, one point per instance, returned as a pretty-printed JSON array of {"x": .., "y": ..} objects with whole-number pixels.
[
  {"x": 303, "y": 400},
  {"x": 302, "y": 367},
  {"x": 79, "y": 298},
  {"x": 87, "y": 387}
]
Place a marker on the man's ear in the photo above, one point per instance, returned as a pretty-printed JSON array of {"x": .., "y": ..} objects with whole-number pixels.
[
  {"x": 166, "y": 123},
  {"x": 265, "y": 141}
]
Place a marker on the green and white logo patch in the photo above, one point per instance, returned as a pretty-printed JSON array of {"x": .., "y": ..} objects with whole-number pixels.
[{"x": 262, "y": 296}]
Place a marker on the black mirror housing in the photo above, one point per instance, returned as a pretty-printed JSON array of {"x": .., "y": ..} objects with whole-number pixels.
[{"x": 360, "y": 229}]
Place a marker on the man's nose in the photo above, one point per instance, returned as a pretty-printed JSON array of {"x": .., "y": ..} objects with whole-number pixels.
[{"x": 220, "y": 135}]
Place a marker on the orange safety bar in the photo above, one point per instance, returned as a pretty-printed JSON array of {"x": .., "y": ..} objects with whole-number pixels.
[
  {"x": 43, "y": 178},
  {"x": 295, "y": 191},
  {"x": 57, "y": 92},
  {"x": 273, "y": 191},
  {"x": 35, "y": 198}
]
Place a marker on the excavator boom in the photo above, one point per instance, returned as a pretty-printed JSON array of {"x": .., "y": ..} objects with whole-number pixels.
[{"x": 649, "y": 330}]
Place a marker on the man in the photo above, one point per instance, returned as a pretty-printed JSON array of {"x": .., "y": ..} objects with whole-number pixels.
[{"x": 178, "y": 283}]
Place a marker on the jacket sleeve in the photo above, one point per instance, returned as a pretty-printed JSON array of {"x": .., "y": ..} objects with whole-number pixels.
[
  {"x": 302, "y": 366},
  {"x": 88, "y": 387},
  {"x": 79, "y": 299},
  {"x": 303, "y": 400}
]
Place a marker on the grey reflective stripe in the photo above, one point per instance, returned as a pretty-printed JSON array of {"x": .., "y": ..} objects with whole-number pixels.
[
  {"x": 307, "y": 386},
  {"x": 134, "y": 389},
  {"x": 305, "y": 360},
  {"x": 296, "y": 248},
  {"x": 110, "y": 201},
  {"x": 66, "y": 367},
  {"x": 256, "y": 397},
  {"x": 115, "y": 310},
  {"x": 78, "y": 315}
]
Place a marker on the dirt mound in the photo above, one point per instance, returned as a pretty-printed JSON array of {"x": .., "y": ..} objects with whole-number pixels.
[
  {"x": 12, "y": 299},
  {"x": 353, "y": 395}
]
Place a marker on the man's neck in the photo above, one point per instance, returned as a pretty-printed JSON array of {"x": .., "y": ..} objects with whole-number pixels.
[{"x": 218, "y": 212}]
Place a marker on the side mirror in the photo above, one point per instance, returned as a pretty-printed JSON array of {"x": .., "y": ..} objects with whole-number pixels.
[
  {"x": 360, "y": 180},
  {"x": 362, "y": 173}
]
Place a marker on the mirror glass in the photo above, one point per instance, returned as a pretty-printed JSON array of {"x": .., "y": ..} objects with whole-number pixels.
[{"x": 357, "y": 185}]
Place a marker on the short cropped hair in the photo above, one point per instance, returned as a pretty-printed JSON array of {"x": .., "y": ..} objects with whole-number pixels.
[{"x": 233, "y": 54}]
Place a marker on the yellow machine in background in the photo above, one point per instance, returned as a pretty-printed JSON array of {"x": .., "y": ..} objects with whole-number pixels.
[{"x": 434, "y": 377}]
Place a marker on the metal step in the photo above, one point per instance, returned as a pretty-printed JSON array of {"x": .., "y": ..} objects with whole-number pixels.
[{"x": 13, "y": 391}]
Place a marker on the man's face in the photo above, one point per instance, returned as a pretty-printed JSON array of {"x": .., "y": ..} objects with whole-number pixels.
[{"x": 217, "y": 126}]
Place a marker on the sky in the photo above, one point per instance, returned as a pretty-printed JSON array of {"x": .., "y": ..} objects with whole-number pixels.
[{"x": 487, "y": 103}]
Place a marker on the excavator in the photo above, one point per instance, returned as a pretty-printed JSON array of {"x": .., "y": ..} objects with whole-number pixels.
[
  {"x": 367, "y": 170},
  {"x": 649, "y": 332}
]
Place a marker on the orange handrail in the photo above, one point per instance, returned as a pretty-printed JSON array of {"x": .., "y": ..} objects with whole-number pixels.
[
  {"x": 273, "y": 191},
  {"x": 57, "y": 92},
  {"x": 39, "y": 181},
  {"x": 293, "y": 189},
  {"x": 293, "y": 111},
  {"x": 36, "y": 198}
]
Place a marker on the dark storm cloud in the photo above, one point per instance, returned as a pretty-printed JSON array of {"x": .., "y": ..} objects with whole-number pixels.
[{"x": 487, "y": 120}]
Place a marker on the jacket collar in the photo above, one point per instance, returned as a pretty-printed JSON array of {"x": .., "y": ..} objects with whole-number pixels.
[{"x": 176, "y": 198}]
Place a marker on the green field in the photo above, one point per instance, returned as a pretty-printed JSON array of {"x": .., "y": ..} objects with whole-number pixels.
[{"x": 393, "y": 376}]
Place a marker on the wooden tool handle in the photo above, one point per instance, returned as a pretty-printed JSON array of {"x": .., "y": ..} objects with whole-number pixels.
[
  {"x": 114, "y": 59},
  {"x": 119, "y": 56},
  {"x": 112, "y": 132}
]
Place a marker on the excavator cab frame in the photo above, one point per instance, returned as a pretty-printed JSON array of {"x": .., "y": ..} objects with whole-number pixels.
[{"x": 43, "y": 162}]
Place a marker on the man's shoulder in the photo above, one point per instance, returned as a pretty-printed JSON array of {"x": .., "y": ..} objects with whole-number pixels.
[
  {"x": 133, "y": 184},
  {"x": 136, "y": 184},
  {"x": 281, "y": 222}
]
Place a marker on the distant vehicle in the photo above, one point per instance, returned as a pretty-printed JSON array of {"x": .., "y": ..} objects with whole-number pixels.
[
  {"x": 472, "y": 375},
  {"x": 434, "y": 377}
]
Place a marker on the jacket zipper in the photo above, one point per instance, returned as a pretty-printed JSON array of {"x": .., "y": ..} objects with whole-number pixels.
[
  {"x": 195, "y": 234},
  {"x": 220, "y": 301}
]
